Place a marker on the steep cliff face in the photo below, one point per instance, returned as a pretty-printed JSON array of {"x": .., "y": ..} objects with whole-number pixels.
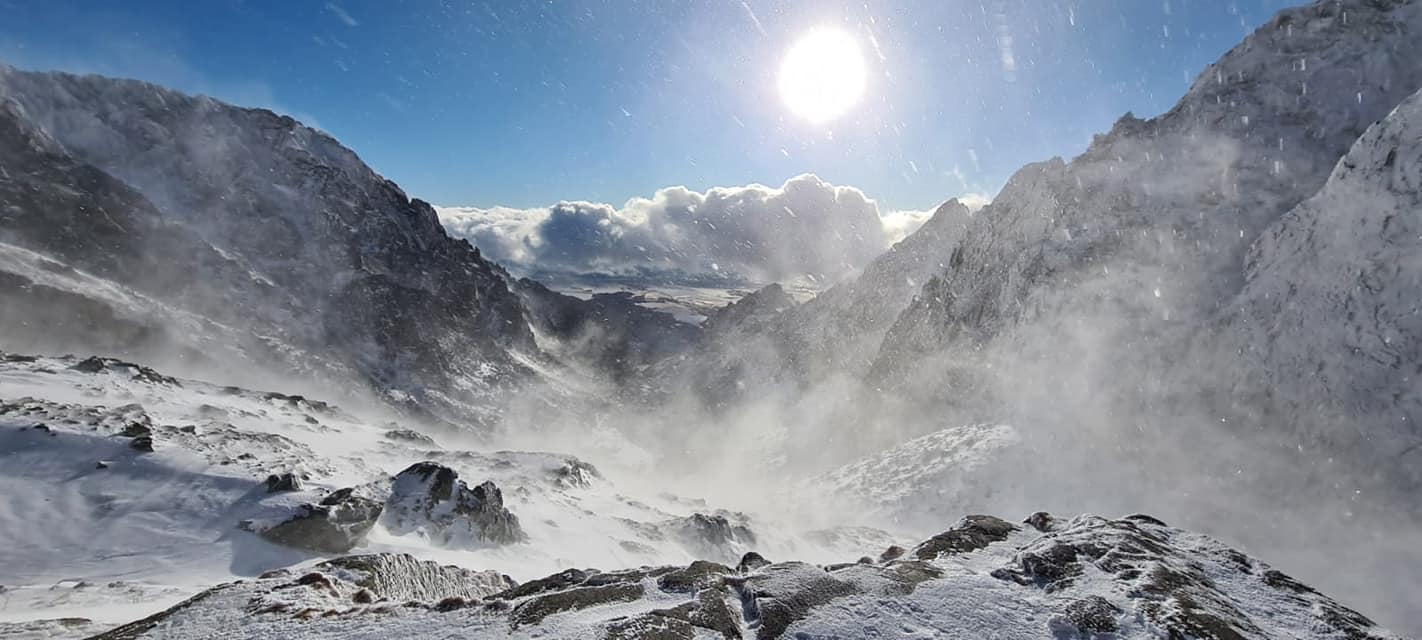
[
  {"x": 1126, "y": 249},
  {"x": 1329, "y": 321},
  {"x": 347, "y": 267}
]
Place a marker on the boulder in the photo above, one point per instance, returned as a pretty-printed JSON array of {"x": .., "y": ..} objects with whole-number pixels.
[
  {"x": 277, "y": 483},
  {"x": 337, "y": 524},
  {"x": 750, "y": 562},
  {"x": 411, "y": 436}
]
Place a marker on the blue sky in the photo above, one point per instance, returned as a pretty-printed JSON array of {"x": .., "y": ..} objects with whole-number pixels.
[{"x": 523, "y": 104}]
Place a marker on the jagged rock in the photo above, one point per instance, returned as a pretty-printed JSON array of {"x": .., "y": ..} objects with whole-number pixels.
[
  {"x": 750, "y": 562},
  {"x": 970, "y": 534},
  {"x": 576, "y": 474},
  {"x": 287, "y": 481},
  {"x": 429, "y": 498},
  {"x": 336, "y": 525},
  {"x": 143, "y": 444},
  {"x": 399, "y": 577}
]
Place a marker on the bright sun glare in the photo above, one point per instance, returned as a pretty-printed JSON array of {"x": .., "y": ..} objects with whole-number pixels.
[{"x": 823, "y": 75}]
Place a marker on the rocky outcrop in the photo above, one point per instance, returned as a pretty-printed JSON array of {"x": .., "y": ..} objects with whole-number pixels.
[
  {"x": 337, "y": 524},
  {"x": 970, "y": 534},
  {"x": 429, "y": 499},
  {"x": 1087, "y": 576},
  {"x": 720, "y": 536},
  {"x": 402, "y": 577}
]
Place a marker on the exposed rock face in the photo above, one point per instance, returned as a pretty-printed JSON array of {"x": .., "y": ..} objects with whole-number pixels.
[
  {"x": 431, "y": 499},
  {"x": 335, "y": 525},
  {"x": 401, "y": 577},
  {"x": 329, "y": 259}
]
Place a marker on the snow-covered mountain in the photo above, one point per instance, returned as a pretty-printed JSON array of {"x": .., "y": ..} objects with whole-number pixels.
[
  {"x": 1147, "y": 230},
  {"x": 1210, "y": 314},
  {"x": 1329, "y": 321},
  {"x": 283, "y": 244}
]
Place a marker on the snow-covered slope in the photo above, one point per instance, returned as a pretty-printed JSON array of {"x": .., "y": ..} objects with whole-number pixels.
[
  {"x": 1087, "y": 577},
  {"x": 923, "y": 481},
  {"x": 147, "y": 488}
]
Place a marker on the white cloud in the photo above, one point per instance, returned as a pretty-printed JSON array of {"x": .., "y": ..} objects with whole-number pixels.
[
  {"x": 752, "y": 233},
  {"x": 899, "y": 224}
]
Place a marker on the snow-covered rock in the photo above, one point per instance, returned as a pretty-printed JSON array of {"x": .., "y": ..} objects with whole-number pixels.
[
  {"x": 430, "y": 499},
  {"x": 1084, "y": 577},
  {"x": 79, "y": 502}
]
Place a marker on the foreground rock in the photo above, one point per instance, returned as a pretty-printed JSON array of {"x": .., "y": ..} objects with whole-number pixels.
[{"x": 1085, "y": 577}]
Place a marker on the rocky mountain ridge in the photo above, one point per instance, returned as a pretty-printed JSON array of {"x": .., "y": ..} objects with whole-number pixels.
[{"x": 1083, "y": 577}]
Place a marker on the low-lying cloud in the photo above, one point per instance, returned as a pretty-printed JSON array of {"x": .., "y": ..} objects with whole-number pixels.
[{"x": 806, "y": 228}]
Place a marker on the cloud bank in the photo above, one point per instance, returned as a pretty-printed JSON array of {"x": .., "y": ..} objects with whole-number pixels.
[{"x": 806, "y": 228}]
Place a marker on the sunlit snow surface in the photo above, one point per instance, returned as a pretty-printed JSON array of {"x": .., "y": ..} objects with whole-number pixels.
[{"x": 144, "y": 529}]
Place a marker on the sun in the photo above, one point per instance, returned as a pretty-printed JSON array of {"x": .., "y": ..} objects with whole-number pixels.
[{"x": 823, "y": 75}]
